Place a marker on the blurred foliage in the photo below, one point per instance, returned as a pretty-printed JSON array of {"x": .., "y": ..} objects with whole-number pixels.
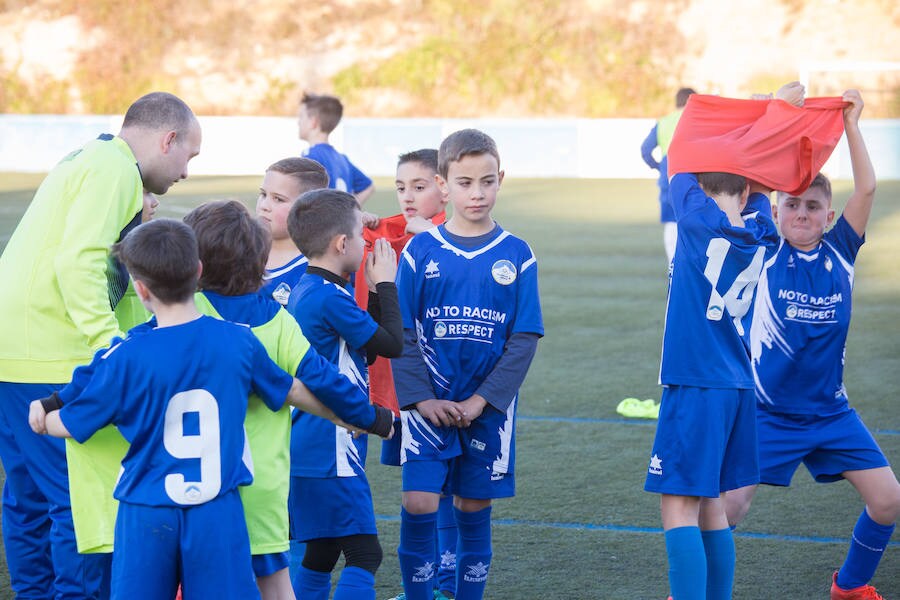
[{"x": 556, "y": 58}]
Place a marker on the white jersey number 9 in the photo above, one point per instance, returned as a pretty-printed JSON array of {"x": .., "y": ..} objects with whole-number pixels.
[{"x": 204, "y": 445}]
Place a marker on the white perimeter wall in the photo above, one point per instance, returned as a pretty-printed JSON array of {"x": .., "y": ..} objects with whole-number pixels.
[{"x": 601, "y": 148}]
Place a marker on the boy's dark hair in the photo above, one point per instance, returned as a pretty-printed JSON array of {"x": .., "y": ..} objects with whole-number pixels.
[
  {"x": 714, "y": 183},
  {"x": 426, "y": 156},
  {"x": 328, "y": 109},
  {"x": 163, "y": 255},
  {"x": 233, "y": 247},
  {"x": 309, "y": 173},
  {"x": 465, "y": 142},
  {"x": 319, "y": 215},
  {"x": 160, "y": 110},
  {"x": 682, "y": 95}
]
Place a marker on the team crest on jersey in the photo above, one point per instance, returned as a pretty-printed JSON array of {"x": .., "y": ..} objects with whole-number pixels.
[
  {"x": 504, "y": 272},
  {"x": 440, "y": 329},
  {"x": 282, "y": 293},
  {"x": 791, "y": 311},
  {"x": 431, "y": 270},
  {"x": 477, "y": 573}
]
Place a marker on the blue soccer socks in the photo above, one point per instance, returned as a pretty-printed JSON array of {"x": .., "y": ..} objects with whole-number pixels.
[
  {"x": 687, "y": 563},
  {"x": 354, "y": 584},
  {"x": 473, "y": 553},
  {"x": 866, "y": 549},
  {"x": 447, "y": 535},
  {"x": 719, "y": 548},
  {"x": 312, "y": 585},
  {"x": 416, "y": 553}
]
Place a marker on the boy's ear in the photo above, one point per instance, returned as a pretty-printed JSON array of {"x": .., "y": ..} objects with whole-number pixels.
[
  {"x": 339, "y": 243},
  {"x": 500, "y": 177},
  {"x": 141, "y": 289},
  {"x": 442, "y": 185}
]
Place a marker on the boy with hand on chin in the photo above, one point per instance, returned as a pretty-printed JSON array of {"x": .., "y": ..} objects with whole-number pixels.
[{"x": 471, "y": 319}]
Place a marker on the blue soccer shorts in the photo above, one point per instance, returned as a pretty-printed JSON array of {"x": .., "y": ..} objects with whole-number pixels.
[
  {"x": 479, "y": 460},
  {"x": 330, "y": 507},
  {"x": 269, "y": 564},
  {"x": 705, "y": 442},
  {"x": 206, "y": 547},
  {"x": 828, "y": 446}
]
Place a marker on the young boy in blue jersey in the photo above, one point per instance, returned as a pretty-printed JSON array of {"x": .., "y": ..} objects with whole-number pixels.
[
  {"x": 331, "y": 504},
  {"x": 183, "y": 413},
  {"x": 472, "y": 320},
  {"x": 233, "y": 248},
  {"x": 318, "y": 117},
  {"x": 283, "y": 183},
  {"x": 800, "y": 323},
  {"x": 422, "y": 207},
  {"x": 706, "y": 433}
]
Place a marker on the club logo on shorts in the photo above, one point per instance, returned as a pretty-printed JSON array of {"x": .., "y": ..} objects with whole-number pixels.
[
  {"x": 791, "y": 311},
  {"x": 440, "y": 329},
  {"x": 478, "y": 445},
  {"x": 655, "y": 465},
  {"x": 504, "y": 272},
  {"x": 714, "y": 313},
  {"x": 424, "y": 573},
  {"x": 477, "y": 573}
]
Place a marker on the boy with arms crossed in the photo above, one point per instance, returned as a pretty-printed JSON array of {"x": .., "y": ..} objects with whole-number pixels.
[
  {"x": 797, "y": 351},
  {"x": 284, "y": 182},
  {"x": 183, "y": 414},
  {"x": 472, "y": 319},
  {"x": 319, "y": 115},
  {"x": 331, "y": 504}
]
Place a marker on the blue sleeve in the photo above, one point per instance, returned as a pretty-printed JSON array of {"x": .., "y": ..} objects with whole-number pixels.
[
  {"x": 503, "y": 382},
  {"x": 843, "y": 237},
  {"x": 528, "y": 316},
  {"x": 98, "y": 403},
  {"x": 411, "y": 380},
  {"x": 359, "y": 180},
  {"x": 335, "y": 391},
  {"x": 350, "y": 322},
  {"x": 685, "y": 194},
  {"x": 647, "y": 147},
  {"x": 270, "y": 382}
]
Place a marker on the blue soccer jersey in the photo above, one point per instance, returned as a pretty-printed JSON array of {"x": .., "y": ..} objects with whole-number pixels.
[
  {"x": 342, "y": 174},
  {"x": 181, "y": 411},
  {"x": 464, "y": 304},
  {"x": 278, "y": 283},
  {"x": 714, "y": 275},
  {"x": 338, "y": 329},
  {"x": 800, "y": 323}
]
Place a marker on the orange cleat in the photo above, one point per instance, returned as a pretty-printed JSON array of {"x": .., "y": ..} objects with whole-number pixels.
[{"x": 863, "y": 592}]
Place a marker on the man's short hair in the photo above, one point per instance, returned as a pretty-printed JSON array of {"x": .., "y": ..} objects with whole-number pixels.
[
  {"x": 328, "y": 109},
  {"x": 163, "y": 255},
  {"x": 714, "y": 183},
  {"x": 310, "y": 174},
  {"x": 233, "y": 247},
  {"x": 682, "y": 95},
  {"x": 160, "y": 110},
  {"x": 466, "y": 142},
  {"x": 426, "y": 156},
  {"x": 319, "y": 215}
]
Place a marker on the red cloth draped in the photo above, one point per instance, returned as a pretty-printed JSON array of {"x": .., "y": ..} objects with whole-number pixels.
[{"x": 770, "y": 141}]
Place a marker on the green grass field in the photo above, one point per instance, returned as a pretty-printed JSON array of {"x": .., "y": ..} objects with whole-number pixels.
[{"x": 580, "y": 526}]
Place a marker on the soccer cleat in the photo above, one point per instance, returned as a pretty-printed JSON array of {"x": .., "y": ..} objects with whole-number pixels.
[
  {"x": 438, "y": 595},
  {"x": 400, "y": 596},
  {"x": 863, "y": 592}
]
